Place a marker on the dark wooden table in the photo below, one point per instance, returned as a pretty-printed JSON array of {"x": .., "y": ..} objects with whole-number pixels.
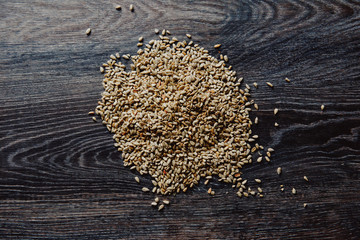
[{"x": 62, "y": 178}]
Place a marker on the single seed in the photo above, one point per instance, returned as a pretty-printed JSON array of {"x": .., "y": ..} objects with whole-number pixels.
[
  {"x": 256, "y": 106},
  {"x": 269, "y": 84},
  {"x": 209, "y": 191},
  {"x": 305, "y": 205},
  {"x": 286, "y": 79},
  {"x": 293, "y": 191},
  {"x": 306, "y": 179},
  {"x": 257, "y": 180},
  {"x": 259, "y": 159},
  {"x": 322, "y": 107},
  {"x": 279, "y": 170},
  {"x": 226, "y": 59},
  {"x": 161, "y": 207},
  {"x": 267, "y": 158},
  {"x": 157, "y": 199},
  {"x": 276, "y": 111},
  {"x": 88, "y": 31},
  {"x": 141, "y": 39},
  {"x": 91, "y": 113},
  {"x": 260, "y": 190},
  {"x": 157, "y": 31},
  {"x": 137, "y": 179},
  {"x": 188, "y": 35},
  {"x": 167, "y": 202},
  {"x": 154, "y": 204},
  {"x": 270, "y": 150},
  {"x": 131, "y": 7},
  {"x": 168, "y": 32},
  {"x": 118, "y": 7},
  {"x": 276, "y": 124},
  {"x": 145, "y": 189},
  {"x": 282, "y": 189},
  {"x": 140, "y": 44},
  {"x": 163, "y": 32},
  {"x": 102, "y": 70},
  {"x": 256, "y": 121},
  {"x": 255, "y": 84},
  {"x": 94, "y": 119},
  {"x": 217, "y": 45}
]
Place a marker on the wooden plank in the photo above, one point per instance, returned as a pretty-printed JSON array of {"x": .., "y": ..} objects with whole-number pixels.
[{"x": 61, "y": 177}]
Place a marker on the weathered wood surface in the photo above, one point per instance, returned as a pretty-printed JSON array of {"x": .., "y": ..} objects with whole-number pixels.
[{"x": 61, "y": 177}]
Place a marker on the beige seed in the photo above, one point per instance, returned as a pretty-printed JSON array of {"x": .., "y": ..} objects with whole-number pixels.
[
  {"x": 282, "y": 189},
  {"x": 276, "y": 111},
  {"x": 276, "y": 124},
  {"x": 279, "y": 170},
  {"x": 188, "y": 35},
  {"x": 226, "y": 59},
  {"x": 141, "y": 39},
  {"x": 102, "y": 70},
  {"x": 256, "y": 121},
  {"x": 257, "y": 180},
  {"x": 270, "y": 150},
  {"x": 161, "y": 207},
  {"x": 306, "y": 179},
  {"x": 259, "y": 189},
  {"x": 139, "y": 44},
  {"x": 118, "y": 7},
  {"x": 293, "y": 191},
  {"x": 157, "y": 199},
  {"x": 145, "y": 189},
  {"x": 255, "y": 84},
  {"x": 91, "y": 113},
  {"x": 154, "y": 204},
  {"x": 163, "y": 32},
  {"x": 305, "y": 205},
  {"x": 157, "y": 31},
  {"x": 259, "y": 159},
  {"x": 217, "y": 45},
  {"x": 256, "y": 106},
  {"x": 94, "y": 119},
  {"x": 168, "y": 32},
  {"x": 269, "y": 84},
  {"x": 286, "y": 79},
  {"x": 322, "y": 107},
  {"x": 137, "y": 179},
  {"x": 209, "y": 191},
  {"x": 167, "y": 202},
  {"x": 88, "y": 31},
  {"x": 267, "y": 158},
  {"x": 131, "y": 7}
]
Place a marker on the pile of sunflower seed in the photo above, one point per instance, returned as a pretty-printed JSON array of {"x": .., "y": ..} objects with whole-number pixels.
[{"x": 179, "y": 115}]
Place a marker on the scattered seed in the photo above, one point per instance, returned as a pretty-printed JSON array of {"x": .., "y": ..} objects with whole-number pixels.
[
  {"x": 118, "y": 7},
  {"x": 226, "y": 59},
  {"x": 269, "y": 84},
  {"x": 145, "y": 189},
  {"x": 217, "y": 45},
  {"x": 279, "y": 170},
  {"x": 256, "y": 106},
  {"x": 257, "y": 180},
  {"x": 322, "y": 107},
  {"x": 209, "y": 191},
  {"x": 91, "y": 113},
  {"x": 167, "y": 202},
  {"x": 259, "y": 159},
  {"x": 157, "y": 31},
  {"x": 259, "y": 189},
  {"x": 140, "y": 44},
  {"x": 256, "y": 121},
  {"x": 255, "y": 84},
  {"x": 88, "y": 31},
  {"x": 267, "y": 158},
  {"x": 276, "y": 111},
  {"x": 137, "y": 179},
  {"x": 305, "y": 205},
  {"x": 102, "y": 70},
  {"x": 154, "y": 204},
  {"x": 157, "y": 200},
  {"x": 286, "y": 79},
  {"x": 188, "y": 35},
  {"x": 270, "y": 150},
  {"x": 163, "y": 32},
  {"x": 276, "y": 124},
  {"x": 141, "y": 39},
  {"x": 131, "y": 7},
  {"x": 293, "y": 191},
  {"x": 94, "y": 119},
  {"x": 306, "y": 179},
  {"x": 161, "y": 207}
]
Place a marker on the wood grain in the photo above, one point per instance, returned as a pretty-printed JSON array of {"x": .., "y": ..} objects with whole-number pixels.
[{"x": 61, "y": 177}]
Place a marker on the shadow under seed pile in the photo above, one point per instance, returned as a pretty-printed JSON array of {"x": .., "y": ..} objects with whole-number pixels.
[{"x": 178, "y": 115}]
